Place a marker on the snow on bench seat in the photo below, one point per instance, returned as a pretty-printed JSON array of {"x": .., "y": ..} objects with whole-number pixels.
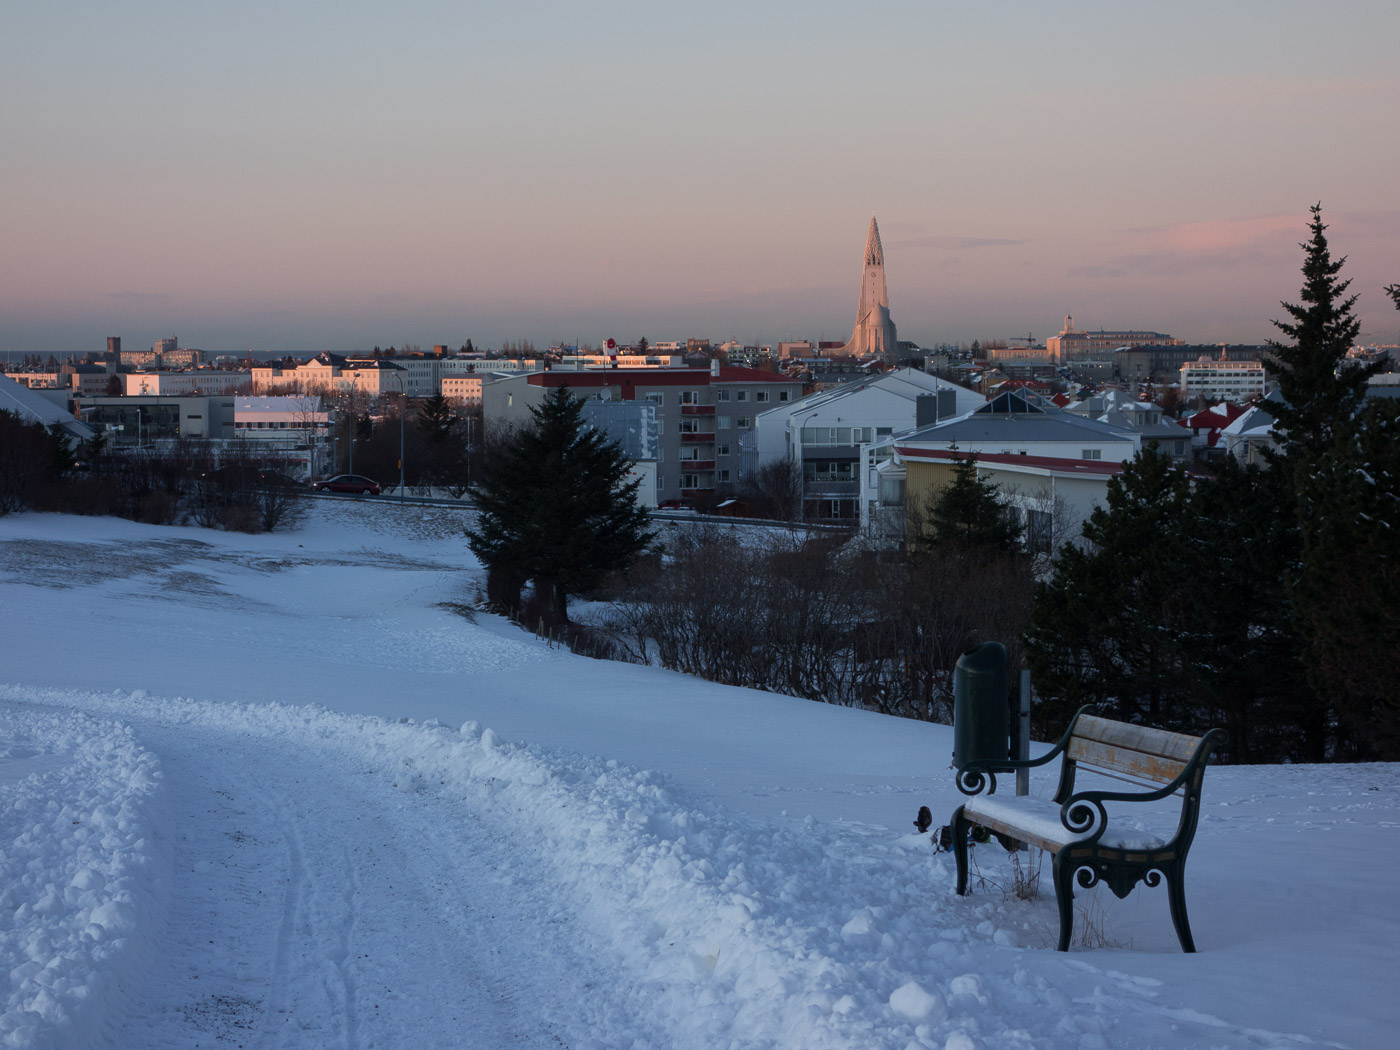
[{"x": 1037, "y": 820}]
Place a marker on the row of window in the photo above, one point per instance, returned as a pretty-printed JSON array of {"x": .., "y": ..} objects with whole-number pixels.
[
  {"x": 693, "y": 481},
  {"x": 692, "y": 425},
  {"x": 692, "y": 397}
]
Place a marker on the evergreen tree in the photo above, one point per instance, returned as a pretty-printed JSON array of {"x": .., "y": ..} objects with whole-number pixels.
[
  {"x": 1347, "y": 590},
  {"x": 1243, "y": 666},
  {"x": 1106, "y": 627},
  {"x": 642, "y": 345},
  {"x": 435, "y": 419},
  {"x": 556, "y": 508},
  {"x": 1321, "y": 389},
  {"x": 967, "y": 512}
]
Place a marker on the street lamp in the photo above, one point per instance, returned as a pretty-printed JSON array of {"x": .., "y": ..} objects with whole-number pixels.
[{"x": 403, "y": 410}]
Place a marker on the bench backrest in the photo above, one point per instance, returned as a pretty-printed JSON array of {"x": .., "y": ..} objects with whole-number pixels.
[{"x": 1131, "y": 750}]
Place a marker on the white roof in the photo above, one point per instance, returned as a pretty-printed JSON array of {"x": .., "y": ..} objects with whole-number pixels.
[{"x": 31, "y": 406}]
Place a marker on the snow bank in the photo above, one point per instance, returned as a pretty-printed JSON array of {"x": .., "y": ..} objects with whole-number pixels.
[
  {"x": 734, "y": 931},
  {"x": 83, "y": 872},
  {"x": 724, "y": 930}
]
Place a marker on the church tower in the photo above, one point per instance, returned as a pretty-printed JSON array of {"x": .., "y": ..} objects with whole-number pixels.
[{"x": 874, "y": 332}]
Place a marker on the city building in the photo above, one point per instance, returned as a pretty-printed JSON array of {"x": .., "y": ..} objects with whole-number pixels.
[
  {"x": 179, "y": 384},
  {"x": 1162, "y": 364},
  {"x": 141, "y": 420},
  {"x": 1073, "y": 343},
  {"x": 824, "y": 433},
  {"x": 705, "y": 416},
  {"x": 1218, "y": 379}
]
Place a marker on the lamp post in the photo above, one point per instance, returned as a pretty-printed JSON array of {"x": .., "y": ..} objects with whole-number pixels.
[{"x": 403, "y": 410}]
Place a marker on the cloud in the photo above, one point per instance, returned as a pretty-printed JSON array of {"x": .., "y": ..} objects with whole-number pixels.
[
  {"x": 1185, "y": 248},
  {"x": 957, "y": 244},
  {"x": 139, "y": 298}
]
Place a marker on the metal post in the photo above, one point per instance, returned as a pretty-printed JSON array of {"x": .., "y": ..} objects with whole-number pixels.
[
  {"x": 403, "y": 408},
  {"x": 1023, "y": 734}
]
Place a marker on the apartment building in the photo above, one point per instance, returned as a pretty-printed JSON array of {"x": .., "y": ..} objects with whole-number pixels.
[{"x": 705, "y": 417}]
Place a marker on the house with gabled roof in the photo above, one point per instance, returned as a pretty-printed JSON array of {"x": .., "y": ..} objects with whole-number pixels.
[{"x": 1051, "y": 465}]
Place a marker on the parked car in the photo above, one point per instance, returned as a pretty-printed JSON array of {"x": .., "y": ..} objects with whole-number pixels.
[
  {"x": 675, "y": 504},
  {"x": 348, "y": 483}
]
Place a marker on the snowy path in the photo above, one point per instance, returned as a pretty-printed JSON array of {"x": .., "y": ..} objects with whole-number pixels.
[
  {"x": 313, "y": 905},
  {"x": 284, "y": 839}
]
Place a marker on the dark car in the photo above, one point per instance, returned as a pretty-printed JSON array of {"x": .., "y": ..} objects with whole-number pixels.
[
  {"x": 348, "y": 483},
  {"x": 675, "y": 504}
]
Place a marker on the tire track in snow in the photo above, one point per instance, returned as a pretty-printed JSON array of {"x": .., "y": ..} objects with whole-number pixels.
[{"x": 314, "y": 906}]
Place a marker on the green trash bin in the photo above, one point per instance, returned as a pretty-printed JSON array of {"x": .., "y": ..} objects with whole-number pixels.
[{"x": 981, "y": 713}]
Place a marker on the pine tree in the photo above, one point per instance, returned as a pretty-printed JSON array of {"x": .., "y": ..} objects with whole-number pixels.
[
  {"x": 967, "y": 512},
  {"x": 1347, "y": 590},
  {"x": 1321, "y": 389},
  {"x": 1107, "y": 626},
  {"x": 556, "y": 508},
  {"x": 435, "y": 419}
]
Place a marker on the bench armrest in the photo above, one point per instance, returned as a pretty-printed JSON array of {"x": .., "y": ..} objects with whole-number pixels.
[{"x": 1084, "y": 810}]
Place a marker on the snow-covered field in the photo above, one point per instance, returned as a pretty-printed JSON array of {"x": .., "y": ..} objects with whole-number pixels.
[{"x": 275, "y": 792}]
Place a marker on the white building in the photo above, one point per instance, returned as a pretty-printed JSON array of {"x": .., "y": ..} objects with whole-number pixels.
[
  {"x": 1217, "y": 380},
  {"x": 185, "y": 384}
]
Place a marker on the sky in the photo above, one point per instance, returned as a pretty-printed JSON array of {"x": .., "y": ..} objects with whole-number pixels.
[{"x": 307, "y": 176}]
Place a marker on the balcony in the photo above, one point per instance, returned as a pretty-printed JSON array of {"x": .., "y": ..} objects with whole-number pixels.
[
  {"x": 697, "y": 464},
  {"x": 698, "y": 439},
  {"x": 697, "y": 410}
]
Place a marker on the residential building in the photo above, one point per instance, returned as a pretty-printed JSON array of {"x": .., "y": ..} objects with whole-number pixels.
[
  {"x": 1120, "y": 409},
  {"x": 1222, "y": 379},
  {"x": 464, "y": 390},
  {"x": 705, "y": 415},
  {"x": 824, "y": 432},
  {"x": 1052, "y": 465}
]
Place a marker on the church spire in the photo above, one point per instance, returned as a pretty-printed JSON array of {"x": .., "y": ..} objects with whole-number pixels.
[
  {"x": 874, "y": 332},
  {"x": 874, "y": 251}
]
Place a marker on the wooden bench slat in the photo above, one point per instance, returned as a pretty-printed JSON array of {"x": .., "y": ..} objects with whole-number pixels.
[
  {"x": 1145, "y": 765},
  {"x": 1137, "y": 738}
]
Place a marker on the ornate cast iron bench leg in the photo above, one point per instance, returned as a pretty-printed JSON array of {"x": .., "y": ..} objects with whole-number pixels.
[
  {"x": 1176, "y": 899},
  {"x": 1064, "y": 897},
  {"x": 959, "y": 829}
]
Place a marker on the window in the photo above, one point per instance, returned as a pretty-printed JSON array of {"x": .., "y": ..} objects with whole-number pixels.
[
  {"x": 723, "y": 422},
  {"x": 722, "y": 476},
  {"x": 690, "y": 481},
  {"x": 783, "y": 395},
  {"x": 690, "y": 397},
  {"x": 1091, "y": 453},
  {"x": 722, "y": 449},
  {"x": 743, "y": 395},
  {"x": 657, "y": 398},
  {"x": 690, "y": 452},
  {"x": 742, "y": 421},
  {"x": 721, "y": 395},
  {"x": 761, "y": 396},
  {"x": 690, "y": 425}
]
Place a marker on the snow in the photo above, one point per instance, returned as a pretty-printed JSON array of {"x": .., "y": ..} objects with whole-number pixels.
[
  {"x": 1041, "y": 818},
  {"x": 276, "y": 791}
]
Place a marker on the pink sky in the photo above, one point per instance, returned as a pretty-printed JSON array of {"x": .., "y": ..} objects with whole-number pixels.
[{"x": 343, "y": 175}]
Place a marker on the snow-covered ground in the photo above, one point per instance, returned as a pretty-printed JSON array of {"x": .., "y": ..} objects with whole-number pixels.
[{"x": 276, "y": 792}]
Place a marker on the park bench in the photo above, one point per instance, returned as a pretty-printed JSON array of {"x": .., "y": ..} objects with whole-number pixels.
[{"x": 1075, "y": 826}]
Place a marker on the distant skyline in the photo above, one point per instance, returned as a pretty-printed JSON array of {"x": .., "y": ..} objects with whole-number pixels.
[{"x": 312, "y": 176}]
